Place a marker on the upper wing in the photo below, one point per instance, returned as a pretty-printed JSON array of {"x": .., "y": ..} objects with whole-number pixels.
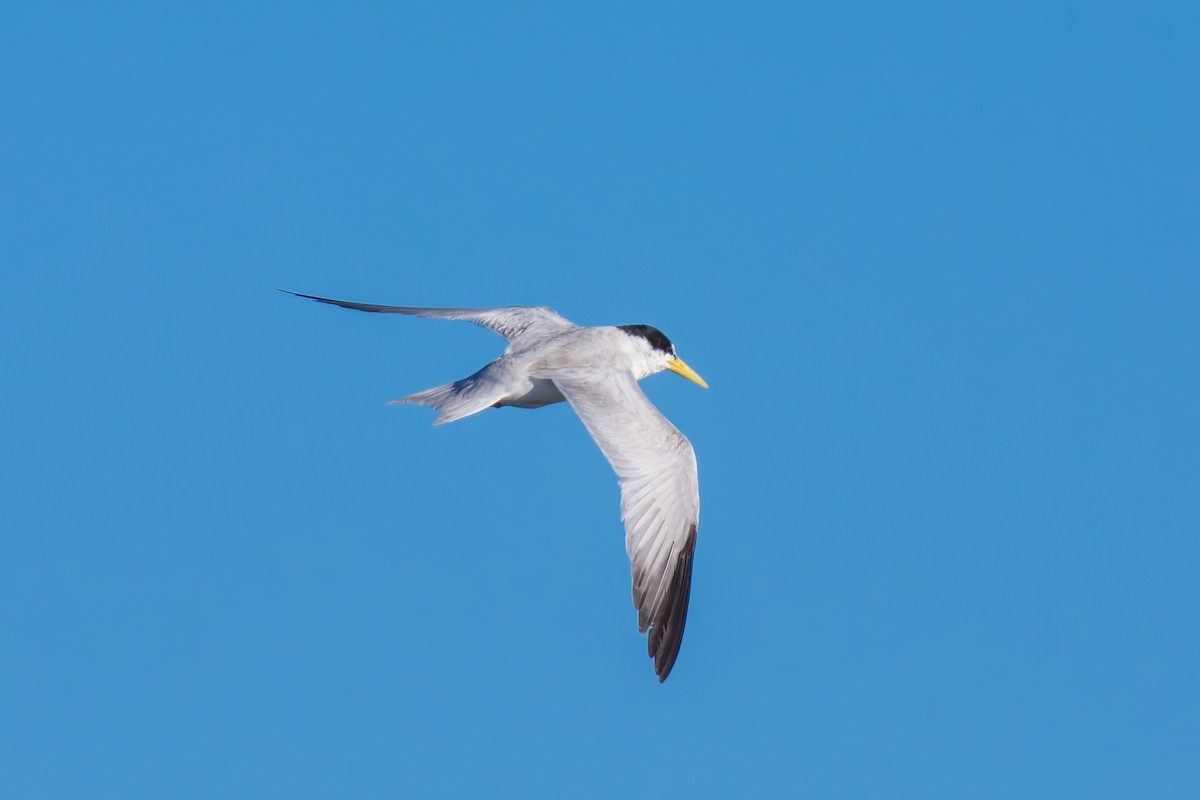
[
  {"x": 660, "y": 498},
  {"x": 507, "y": 321}
]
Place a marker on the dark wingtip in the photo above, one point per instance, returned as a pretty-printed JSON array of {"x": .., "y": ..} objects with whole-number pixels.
[
  {"x": 298, "y": 294},
  {"x": 666, "y": 635}
]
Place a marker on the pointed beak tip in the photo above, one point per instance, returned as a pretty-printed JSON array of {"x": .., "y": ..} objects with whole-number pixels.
[{"x": 681, "y": 369}]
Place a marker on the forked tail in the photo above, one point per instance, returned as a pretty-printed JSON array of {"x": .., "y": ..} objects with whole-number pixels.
[{"x": 455, "y": 400}]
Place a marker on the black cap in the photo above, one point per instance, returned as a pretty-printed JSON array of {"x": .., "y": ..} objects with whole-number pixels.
[{"x": 651, "y": 334}]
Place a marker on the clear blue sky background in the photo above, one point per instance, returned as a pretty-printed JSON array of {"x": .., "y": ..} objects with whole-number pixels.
[{"x": 939, "y": 262}]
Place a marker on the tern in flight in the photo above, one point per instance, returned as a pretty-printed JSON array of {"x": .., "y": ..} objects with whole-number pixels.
[{"x": 550, "y": 359}]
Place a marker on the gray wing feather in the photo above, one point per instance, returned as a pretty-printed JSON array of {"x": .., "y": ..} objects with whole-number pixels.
[
  {"x": 660, "y": 498},
  {"x": 509, "y": 322}
]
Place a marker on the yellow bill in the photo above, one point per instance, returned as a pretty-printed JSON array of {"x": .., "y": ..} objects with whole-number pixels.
[{"x": 677, "y": 366}]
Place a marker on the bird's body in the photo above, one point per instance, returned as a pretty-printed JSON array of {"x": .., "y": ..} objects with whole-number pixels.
[
  {"x": 596, "y": 369},
  {"x": 534, "y": 393},
  {"x": 577, "y": 348}
]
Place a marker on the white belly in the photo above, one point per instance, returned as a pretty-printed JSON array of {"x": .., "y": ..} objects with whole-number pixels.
[{"x": 541, "y": 393}]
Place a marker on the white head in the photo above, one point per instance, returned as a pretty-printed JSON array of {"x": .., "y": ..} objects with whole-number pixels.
[{"x": 658, "y": 353}]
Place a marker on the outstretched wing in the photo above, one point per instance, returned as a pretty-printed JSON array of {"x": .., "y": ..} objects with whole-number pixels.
[
  {"x": 660, "y": 498},
  {"x": 509, "y": 322}
]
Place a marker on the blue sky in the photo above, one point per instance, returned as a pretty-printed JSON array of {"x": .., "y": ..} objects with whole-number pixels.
[{"x": 938, "y": 262}]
